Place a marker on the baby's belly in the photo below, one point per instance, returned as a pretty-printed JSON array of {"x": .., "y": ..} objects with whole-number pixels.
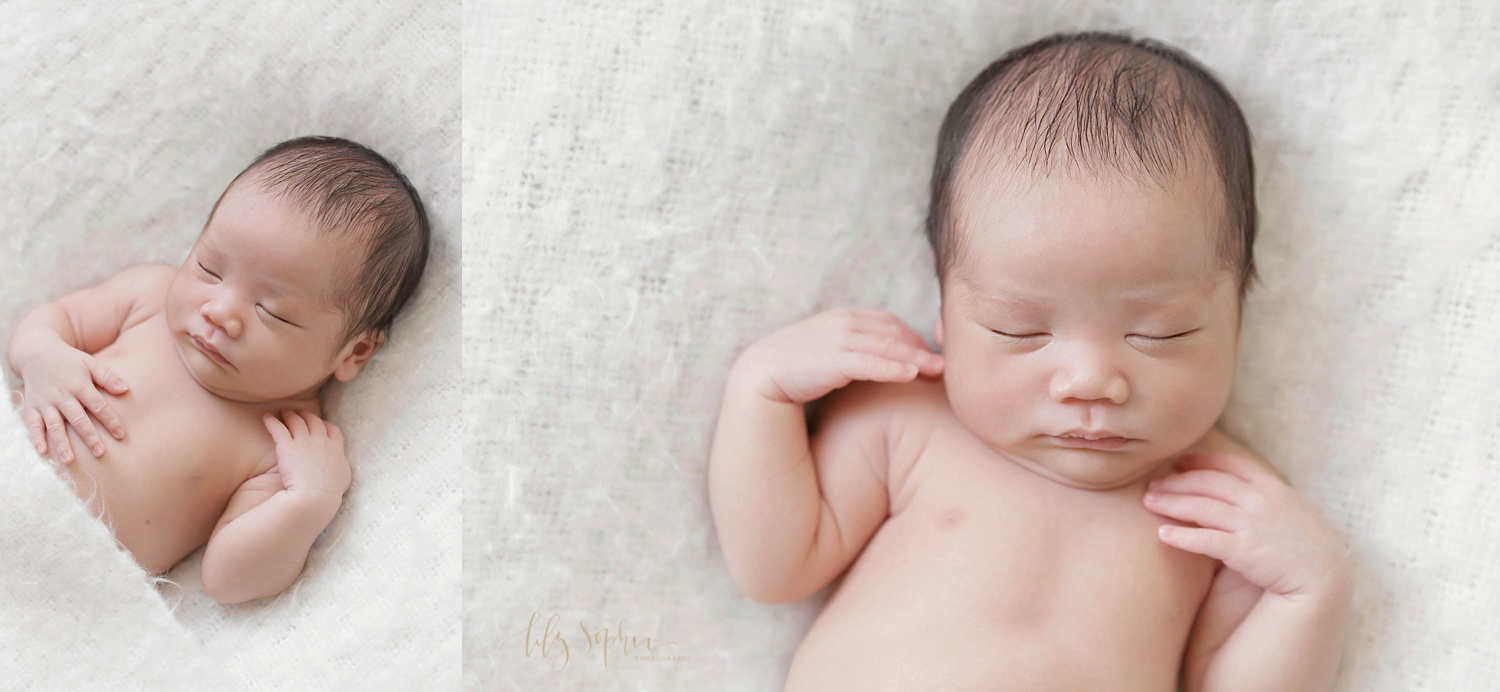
[
  {"x": 159, "y": 496},
  {"x": 162, "y": 489},
  {"x": 975, "y": 597}
]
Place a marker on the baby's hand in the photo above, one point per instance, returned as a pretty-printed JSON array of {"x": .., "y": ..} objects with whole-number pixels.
[
  {"x": 1251, "y": 521},
  {"x": 827, "y": 351},
  {"x": 59, "y": 387},
  {"x": 309, "y": 454}
]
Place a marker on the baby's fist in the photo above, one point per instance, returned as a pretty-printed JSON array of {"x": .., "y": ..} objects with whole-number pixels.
[{"x": 309, "y": 454}]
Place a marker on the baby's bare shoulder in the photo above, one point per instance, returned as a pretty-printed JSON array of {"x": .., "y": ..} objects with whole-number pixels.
[
  {"x": 160, "y": 272},
  {"x": 139, "y": 288},
  {"x": 147, "y": 279}
]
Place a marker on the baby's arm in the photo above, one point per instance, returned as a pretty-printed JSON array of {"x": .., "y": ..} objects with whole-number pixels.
[
  {"x": 791, "y": 512},
  {"x": 1274, "y": 616},
  {"x": 260, "y": 545},
  {"x": 51, "y": 351}
]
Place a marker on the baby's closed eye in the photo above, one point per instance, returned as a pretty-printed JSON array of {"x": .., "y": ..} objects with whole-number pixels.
[{"x": 275, "y": 316}]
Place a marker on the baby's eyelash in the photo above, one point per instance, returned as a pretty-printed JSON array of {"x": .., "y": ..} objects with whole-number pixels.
[
  {"x": 206, "y": 271},
  {"x": 1036, "y": 335},
  {"x": 278, "y": 317},
  {"x": 1165, "y": 338},
  {"x": 1018, "y": 337}
]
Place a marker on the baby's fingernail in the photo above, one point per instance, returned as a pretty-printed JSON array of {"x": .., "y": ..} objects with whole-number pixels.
[
  {"x": 121, "y": 384},
  {"x": 41, "y": 448},
  {"x": 98, "y": 450},
  {"x": 67, "y": 457}
]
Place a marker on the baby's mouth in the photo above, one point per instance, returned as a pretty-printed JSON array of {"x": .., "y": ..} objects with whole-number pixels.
[
  {"x": 209, "y": 350},
  {"x": 1087, "y": 440}
]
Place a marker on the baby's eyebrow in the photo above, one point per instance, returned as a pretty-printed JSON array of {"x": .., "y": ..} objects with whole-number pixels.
[
  {"x": 1013, "y": 302},
  {"x": 1166, "y": 296},
  {"x": 206, "y": 247},
  {"x": 297, "y": 297},
  {"x": 1152, "y": 298}
]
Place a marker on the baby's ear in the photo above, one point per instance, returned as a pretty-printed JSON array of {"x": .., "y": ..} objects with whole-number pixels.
[{"x": 357, "y": 353}]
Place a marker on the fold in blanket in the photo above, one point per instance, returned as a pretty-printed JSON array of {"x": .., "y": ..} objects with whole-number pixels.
[{"x": 77, "y": 610}]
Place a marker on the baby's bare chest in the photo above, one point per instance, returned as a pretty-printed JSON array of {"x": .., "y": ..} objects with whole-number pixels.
[
  {"x": 1025, "y": 550},
  {"x": 183, "y": 446},
  {"x": 1002, "y": 566}
]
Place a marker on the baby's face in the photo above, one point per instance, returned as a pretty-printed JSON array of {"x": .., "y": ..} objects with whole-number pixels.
[
  {"x": 251, "y": 310},
  {"x": 1090, "y": 306}
]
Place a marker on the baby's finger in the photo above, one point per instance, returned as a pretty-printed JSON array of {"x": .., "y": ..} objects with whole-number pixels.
[
  {"x": 898, "y": 350},
  {"x": 1204, "y": 511},
  {"x": 33, "y": 420},
  {"x": 279, "y": 433},
  {"x": 84, "y": 426},
  {"x": 57, "y": 434},
  {"x": 294, "y": 423},
  {"x": 870, "y": 317},
  {"x": 106, "y": 378},
  {"x": 334, "y": 433},
  {"x": 314, "y": 423},
  {"x": 857, "y": 365},
  {"x": 1213, "y": 483},
  {"x": 1215, "y": 544},
  {"x": 929, "y": 363},
  {"x": 886, "y": 324},
  {"x": 106, "y": 414},
  {"x": 933, "y": 365}
]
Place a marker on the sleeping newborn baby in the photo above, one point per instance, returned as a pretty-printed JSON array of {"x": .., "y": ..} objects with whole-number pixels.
[
  {"x": 215, "y": 367},
  {"x": 1045, "y": 505}
]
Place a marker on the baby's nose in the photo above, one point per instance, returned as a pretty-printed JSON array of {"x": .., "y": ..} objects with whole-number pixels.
[
  {"x": 221, "y": 316},
  {"x": 1090, "y": 384}
]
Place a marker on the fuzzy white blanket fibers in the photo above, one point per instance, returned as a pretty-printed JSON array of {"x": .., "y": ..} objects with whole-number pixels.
[
  {"x": 674, "y": 180},
  {"x": 122, "y": 123}
]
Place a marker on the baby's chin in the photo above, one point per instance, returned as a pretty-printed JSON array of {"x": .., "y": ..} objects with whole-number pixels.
[
  {"x": 226, "y": 384},
  {"x": 1090, "y": 469}
]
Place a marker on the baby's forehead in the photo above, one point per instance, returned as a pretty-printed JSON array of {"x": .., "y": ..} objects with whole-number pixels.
[
  {"x": 285, "y": 247},
  {"x": 1026, "y": 296},
  {"x": 1005, "y": 204}
]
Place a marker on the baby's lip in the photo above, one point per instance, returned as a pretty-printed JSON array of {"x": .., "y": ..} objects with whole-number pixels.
[
  {"x": 1100, "y": 434},
  {"x": 209, "y": 349},
  {"x": 1092, "y": 439}
]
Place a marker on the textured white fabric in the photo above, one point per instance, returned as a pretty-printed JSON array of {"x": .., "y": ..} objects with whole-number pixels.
[
  {"x": 122, "y": 124},
  {"x": 651, "y": 186}
]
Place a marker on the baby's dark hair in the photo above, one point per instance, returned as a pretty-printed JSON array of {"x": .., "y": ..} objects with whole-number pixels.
[
  {"x": 1098, "y": 100},
  {"x": 347, "y": 188}
]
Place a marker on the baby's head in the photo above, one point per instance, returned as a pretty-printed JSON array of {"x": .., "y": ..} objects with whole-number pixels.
[
  {"x": 305, "y": 261},
  {"x": 1092, "y": 221}
]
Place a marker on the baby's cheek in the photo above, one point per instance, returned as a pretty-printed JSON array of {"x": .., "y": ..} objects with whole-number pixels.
[
  {"x": 992, "y": 400},
  {"x": 1189, "y": 403}
]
